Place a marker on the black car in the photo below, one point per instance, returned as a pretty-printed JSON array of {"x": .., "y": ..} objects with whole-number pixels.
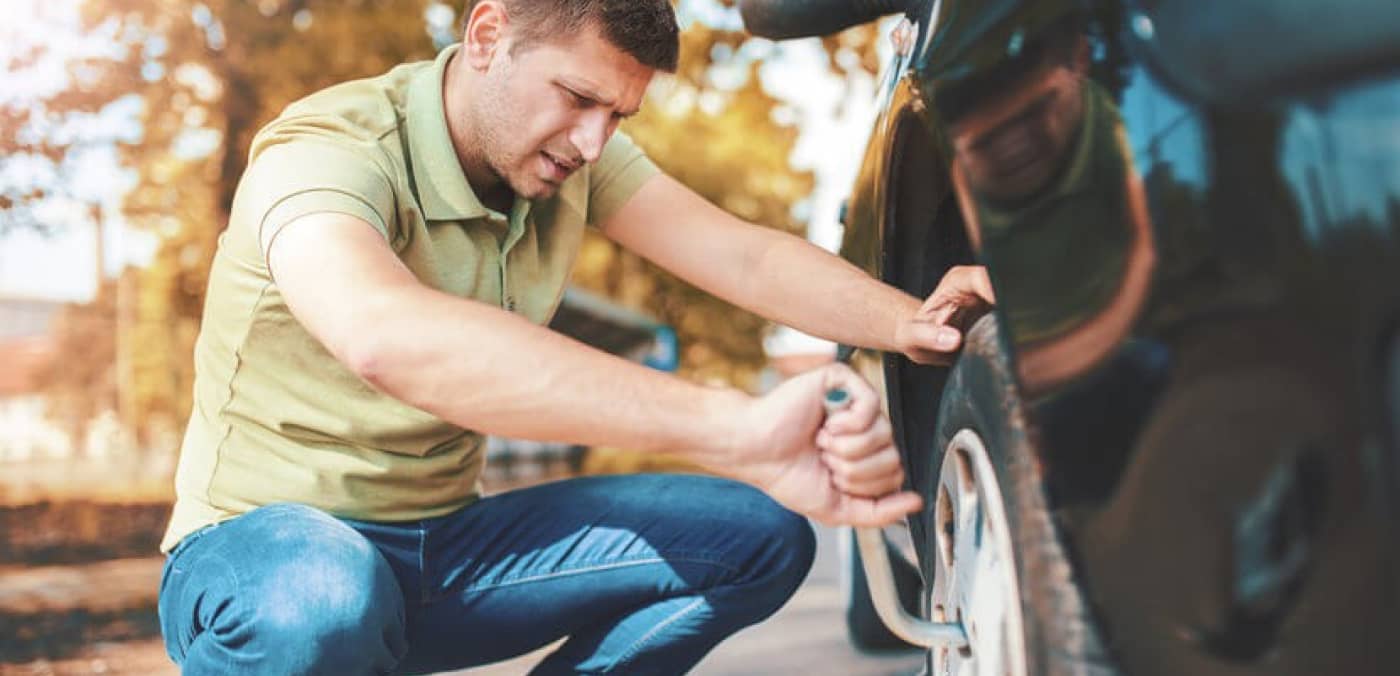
[{"x": 1172, "y": 446}]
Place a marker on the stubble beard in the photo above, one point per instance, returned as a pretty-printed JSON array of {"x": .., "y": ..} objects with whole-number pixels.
[{"x": 510, "y": 169}]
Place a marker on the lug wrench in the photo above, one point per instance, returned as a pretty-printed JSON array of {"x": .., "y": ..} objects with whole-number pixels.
[{"x": 874, "y": 557}]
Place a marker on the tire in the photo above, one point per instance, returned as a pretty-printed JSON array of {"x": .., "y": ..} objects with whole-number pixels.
[
  {"x": 1057, "y": 635},
  {"x": 864, "y": 627}
]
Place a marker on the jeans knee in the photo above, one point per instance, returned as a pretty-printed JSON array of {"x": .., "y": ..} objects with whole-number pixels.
[
  {"x": 795, "y": 547},
  {"x": 282, "y": 589},
  {"x": 305, "y": 594},
  {"x": 782, "y": 547},
  {"x": 333, "y": 607},
  {"x": 801, "y": 543}
]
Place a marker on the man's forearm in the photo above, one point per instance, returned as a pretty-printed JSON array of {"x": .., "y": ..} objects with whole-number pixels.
[
  {"x": 778, "y": 276},
  {"x": 796, "y": 283},
  {"x": 485, "y": 369}
]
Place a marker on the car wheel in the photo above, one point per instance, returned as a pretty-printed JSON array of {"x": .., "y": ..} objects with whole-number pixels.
[
  {"x": 864, "y": 627},
  {"x": 999, "y": 567}
]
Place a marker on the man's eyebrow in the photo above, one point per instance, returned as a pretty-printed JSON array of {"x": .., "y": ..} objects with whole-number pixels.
[{"x": 589, "y": 93}]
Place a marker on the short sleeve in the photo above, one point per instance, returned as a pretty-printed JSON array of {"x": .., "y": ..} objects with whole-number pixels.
[
  {"x": 621, "y": 170},
  {"x": 291, "y": 179}
]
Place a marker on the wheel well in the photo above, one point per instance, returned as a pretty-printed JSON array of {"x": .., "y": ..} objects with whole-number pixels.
[{"x": 924, "y": 237}]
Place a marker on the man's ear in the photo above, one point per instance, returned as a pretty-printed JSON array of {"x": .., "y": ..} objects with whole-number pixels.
[{"x": 485, "y": 33}]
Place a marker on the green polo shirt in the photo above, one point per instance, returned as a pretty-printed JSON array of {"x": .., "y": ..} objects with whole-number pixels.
[{"x": 278, "y": 419}]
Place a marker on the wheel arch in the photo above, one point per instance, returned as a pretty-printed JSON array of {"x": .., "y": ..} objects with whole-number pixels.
[{"x": 922, "y": 236}]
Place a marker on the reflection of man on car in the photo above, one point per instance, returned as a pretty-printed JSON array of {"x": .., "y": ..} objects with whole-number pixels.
[{"x": 1047, "y": 189}]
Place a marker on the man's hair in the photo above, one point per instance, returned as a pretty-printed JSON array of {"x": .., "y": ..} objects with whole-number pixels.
[{"x": 644, "y": 29}]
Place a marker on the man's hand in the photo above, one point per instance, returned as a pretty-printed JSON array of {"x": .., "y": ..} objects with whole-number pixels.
[
  {"x": 841, "y": 469},
  {"x": 934, "y": 333}
]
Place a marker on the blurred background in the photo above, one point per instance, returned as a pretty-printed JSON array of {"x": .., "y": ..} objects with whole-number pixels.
[{"x": 124, "y": 127}]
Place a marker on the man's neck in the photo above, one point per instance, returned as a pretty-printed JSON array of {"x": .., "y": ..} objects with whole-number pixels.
[
  {"x": 500, "y": 197},
  {"x": 493, "y": 192}
]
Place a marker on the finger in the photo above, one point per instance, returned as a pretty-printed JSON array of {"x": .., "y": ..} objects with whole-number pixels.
[
  {"x": 850, "y": 422},
  {"x": 872, "y": 466},
  {"x": 854, "y": 446},
  {"x": 864, "y": 408},
  {"x": 961, "y": 286},
  {"x": 934, "y": 301},
  {"x": 981, "y": 283},
  {"x": 944, "y": 314},
  {"x": 876, "y": 512},
  {"x": 882, "y": 478},
  {"x": 970, "y": 281},
  {"x": 872, "y": 486},
  {"x": 934, "y": 336}
]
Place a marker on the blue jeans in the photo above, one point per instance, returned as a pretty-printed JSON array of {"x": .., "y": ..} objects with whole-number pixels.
[{"x": 643, "y": 574}]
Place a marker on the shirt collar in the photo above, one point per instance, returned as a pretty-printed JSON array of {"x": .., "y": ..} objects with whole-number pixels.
[{"x": 443, "y": 190}]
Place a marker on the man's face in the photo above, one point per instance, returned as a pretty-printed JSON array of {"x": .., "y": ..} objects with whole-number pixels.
[
  {"x": 1012, "y": 146},
  {"x": 546, "y": 108}
]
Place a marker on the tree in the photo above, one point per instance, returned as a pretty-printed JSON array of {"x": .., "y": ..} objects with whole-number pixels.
[
  {"x": 210, "y": 73},
  {"x": 204, "y": 97}
]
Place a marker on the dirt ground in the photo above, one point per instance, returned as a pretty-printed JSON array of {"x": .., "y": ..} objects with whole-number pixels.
[{"x": 144, "y": 657}]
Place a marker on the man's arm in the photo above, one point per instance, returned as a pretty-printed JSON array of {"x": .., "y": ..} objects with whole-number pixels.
[
  {"x": 474, "y": 364},
  {"x": 787, "y": 279},
  {"x": 486, "y": 369}
]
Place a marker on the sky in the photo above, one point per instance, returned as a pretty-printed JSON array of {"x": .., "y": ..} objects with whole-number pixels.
[
  {"x": 63, "y": 266},
  {"x": 833, "y": 114}
]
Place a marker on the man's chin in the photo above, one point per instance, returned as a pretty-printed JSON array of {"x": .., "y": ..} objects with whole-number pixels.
[{"x": 535, "y": 189}]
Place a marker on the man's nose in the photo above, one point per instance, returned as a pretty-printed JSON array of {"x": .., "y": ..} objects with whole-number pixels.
[{"x": 591, "y": 134}]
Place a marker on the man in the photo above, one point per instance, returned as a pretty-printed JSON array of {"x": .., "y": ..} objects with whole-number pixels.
[{"x": 375, "y": 306}]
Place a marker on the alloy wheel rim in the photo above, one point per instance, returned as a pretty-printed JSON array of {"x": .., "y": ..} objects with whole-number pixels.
[{"x": 975, "y": 580}]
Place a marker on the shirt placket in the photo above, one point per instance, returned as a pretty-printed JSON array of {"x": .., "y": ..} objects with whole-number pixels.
[{"x": 519, "y": 211}]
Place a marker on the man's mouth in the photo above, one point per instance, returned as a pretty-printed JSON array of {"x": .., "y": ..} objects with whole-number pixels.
[{"x": 559, "y": 169}]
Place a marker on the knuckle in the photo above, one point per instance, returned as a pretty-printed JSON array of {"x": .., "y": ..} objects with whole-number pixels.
[
  {"x": 861, "y": 472},
  {"x": 867, "y": 449},
  {"x": 855, "y": 448},
  {"x": 869, "y": 492},
  {"x": 839, "y": 450}
]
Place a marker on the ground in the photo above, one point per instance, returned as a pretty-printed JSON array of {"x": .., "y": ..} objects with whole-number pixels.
[{"x": 78, "y": 592}]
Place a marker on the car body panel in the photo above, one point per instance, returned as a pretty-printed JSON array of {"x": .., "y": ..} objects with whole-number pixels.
[{"x": 1200, "y": 293}]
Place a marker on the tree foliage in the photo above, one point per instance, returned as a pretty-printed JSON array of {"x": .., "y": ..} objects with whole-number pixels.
[{"x": 210, "y": 73}]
